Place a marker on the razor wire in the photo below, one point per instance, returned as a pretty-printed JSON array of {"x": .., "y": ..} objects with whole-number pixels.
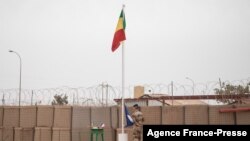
[{"x": 104, "y": 94}]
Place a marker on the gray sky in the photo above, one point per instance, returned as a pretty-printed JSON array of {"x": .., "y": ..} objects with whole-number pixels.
[{"x": 68, "y": 42}]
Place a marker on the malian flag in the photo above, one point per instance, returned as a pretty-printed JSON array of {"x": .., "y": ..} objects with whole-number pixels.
[{"x": 119, "y": 32}]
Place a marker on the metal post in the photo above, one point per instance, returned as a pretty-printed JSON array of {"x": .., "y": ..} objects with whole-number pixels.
[
  {"x": 3, "y": 100},
  {"x": 73, "y": 98},
  {"x": 20, "y": 80},
  {"x": 102, "y": 94},
  {"x": 107, "y": 86},
  {"x": 192, "y": 82},
  {"x": 172, "y": 90},
  {"x": 32, "y": 97}
]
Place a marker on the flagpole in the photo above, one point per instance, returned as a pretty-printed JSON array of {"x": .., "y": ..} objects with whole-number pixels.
[
  {"x": 123, "y": 136},
  {"x": 123, "y": 75},
  {"x": 123, "y": 80}
]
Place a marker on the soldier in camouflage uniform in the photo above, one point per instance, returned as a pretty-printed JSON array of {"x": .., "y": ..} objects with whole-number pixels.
[{"x": 138, "y": 120}]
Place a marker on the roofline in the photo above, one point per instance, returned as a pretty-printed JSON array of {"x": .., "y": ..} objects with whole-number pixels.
[{"x": 186, "y": 97}]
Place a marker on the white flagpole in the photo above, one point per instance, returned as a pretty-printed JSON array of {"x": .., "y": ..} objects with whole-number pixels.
[
  {"x": 123, "y": 136},
  {"x": 123, "y": 75},
  {"x": 123, "y": 80}
]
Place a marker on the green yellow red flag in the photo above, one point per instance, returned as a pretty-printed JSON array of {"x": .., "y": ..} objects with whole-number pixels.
[{"x": 119, "y": 32}]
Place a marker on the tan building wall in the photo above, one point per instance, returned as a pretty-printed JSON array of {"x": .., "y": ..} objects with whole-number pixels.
[{"x": 138, "y": 91}]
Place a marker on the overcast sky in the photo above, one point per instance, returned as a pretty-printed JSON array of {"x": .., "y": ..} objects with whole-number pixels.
[{"x": 68, "y": 42}]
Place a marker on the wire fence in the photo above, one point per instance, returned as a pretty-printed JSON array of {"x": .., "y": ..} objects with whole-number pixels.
[{"x": 104, "y": 94}]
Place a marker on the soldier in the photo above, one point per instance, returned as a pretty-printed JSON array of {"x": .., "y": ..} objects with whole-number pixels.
[{"x": 138, "y": 120}]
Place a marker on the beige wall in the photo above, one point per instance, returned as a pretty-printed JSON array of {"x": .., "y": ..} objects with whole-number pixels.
[
  {"x": 77, "y": 123},
  {"x": 138, "y": 91}
]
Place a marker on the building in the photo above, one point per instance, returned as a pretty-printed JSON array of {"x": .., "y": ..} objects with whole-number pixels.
[{"x": 143, "y": 99}]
